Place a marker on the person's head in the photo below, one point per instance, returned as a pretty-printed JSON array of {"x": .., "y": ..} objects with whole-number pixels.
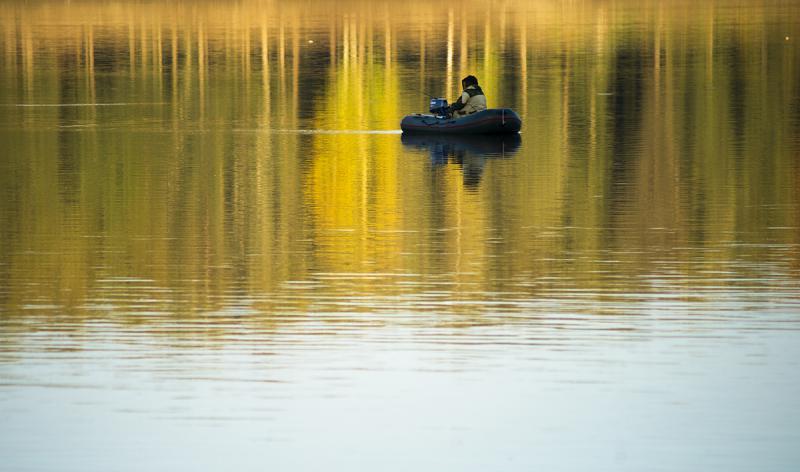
[{"x": 469, "y": 80}]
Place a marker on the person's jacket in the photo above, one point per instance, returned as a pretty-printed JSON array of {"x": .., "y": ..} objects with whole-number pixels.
[{"x": 470, "y": 101}]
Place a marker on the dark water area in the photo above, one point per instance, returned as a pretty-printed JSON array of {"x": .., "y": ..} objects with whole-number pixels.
[{"x": 217, "y": 250}]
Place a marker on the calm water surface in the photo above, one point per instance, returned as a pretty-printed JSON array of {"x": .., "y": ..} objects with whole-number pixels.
[{"x": 217, "y": 252}]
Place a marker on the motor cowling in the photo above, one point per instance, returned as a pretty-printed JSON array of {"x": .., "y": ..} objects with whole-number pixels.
[{"x": 438, "y": 106}]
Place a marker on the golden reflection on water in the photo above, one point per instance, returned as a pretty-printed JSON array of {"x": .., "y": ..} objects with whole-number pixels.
[{"x": 230, "y": 161}]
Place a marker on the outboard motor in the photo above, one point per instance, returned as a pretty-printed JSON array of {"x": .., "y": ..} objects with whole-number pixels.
[{"x": 439, "y": 106}]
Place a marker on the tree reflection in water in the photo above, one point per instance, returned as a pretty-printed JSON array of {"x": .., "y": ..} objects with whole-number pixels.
[{"x": 470, "y": 152}]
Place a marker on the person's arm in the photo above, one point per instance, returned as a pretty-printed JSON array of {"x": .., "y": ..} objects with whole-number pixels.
[{"x": 460, "y": 103}]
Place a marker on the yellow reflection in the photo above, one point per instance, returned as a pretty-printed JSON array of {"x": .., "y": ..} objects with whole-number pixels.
[{"x": 643, "y": 132}]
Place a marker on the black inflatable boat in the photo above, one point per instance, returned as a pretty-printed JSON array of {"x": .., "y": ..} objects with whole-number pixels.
[{"x": 489, "y": 121}]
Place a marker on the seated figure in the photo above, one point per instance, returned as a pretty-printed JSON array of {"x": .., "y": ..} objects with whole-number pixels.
[{"x": 471, "y": 100}]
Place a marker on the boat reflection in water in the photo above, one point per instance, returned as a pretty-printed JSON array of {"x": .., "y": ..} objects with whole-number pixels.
[{"x": 468, "y": 151}]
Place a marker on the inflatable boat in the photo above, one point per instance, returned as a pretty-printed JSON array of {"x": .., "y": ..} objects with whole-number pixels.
[{"x": 489, "y": 121}]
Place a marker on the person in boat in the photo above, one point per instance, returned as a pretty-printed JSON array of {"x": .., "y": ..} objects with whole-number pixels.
[{"x": 471, "y": 100}]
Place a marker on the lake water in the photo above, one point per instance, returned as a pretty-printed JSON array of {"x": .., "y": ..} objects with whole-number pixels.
[{"x": 217, "y": 251}]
